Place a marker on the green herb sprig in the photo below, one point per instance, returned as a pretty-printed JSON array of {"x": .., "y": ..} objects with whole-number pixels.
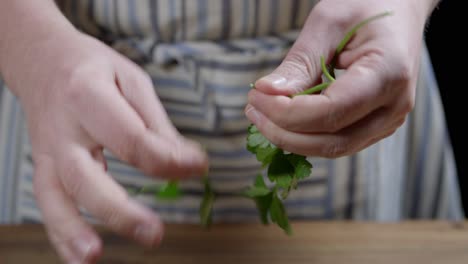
[
  {"x": 168, "y": 191},
  {"x": 284, "y": 170}
]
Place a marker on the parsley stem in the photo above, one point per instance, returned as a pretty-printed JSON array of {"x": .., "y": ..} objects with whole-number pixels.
[
  {"x": 314, "y": 89},
  {"x": 325, "y": 70},
  {"x": 149, "y": 189},
  {"x": 329, "y": 71},
  {"x": 354, "y": 29},
  {"x": 352, "y": 32}
]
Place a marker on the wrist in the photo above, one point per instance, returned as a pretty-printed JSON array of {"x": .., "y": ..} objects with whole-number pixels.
[
  {"x": 426, "y": 7},
  {"x": 25, "y": 27}
]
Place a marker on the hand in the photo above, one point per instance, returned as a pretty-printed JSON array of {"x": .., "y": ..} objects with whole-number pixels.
[
  {"x": 364, "y": 105},
  {"x": 79, "y": 97}
]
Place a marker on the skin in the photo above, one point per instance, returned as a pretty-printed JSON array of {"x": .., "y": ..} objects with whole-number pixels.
[
  {"x": 365, "y": 104},
  {"x": 79, "y": 97}
]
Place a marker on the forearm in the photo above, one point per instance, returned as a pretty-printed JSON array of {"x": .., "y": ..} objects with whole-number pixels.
[{"x": 25, "y": 22}]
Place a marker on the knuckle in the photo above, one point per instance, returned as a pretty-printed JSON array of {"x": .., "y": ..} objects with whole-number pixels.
[
  {"x": 38, "y": 181},
  {"x": 403, "y": 74},
  {"x": 38, "y": 188},
  {"x": 392, "y": 131},
  {"x": 129, "y": 149},
  {"x": 112, "y": 218},
  {"x": 162, "y": 168},
  {"x": 177, "y": 162},
  {"x": 60, "y": 231},
  {"x": 404, "y": 106},
  {"x": 75, "y": 94},
  {"x": 301, "y": 59},
  {"x": 283, "y": 118},
  {"x": 334, "y": 119},
  {"x": 80, "y": 74},
  {"x": 278, "y": 140},
  {"x": 146, "y": 79},
  {"x": 401, "y": 121},
  {"x": 401, "y": 71},
  {"x": 323, "y": 12},
  {"x": 372, "y": 141},
  {"x": 165, "y": 165},
  {"x": 73, "y": 180},
  {"x": 395, "y": 126},
  {"x": 337, "y": 148},
  {"x": 77, "y": 89},
  {"x": 386, "y": 134},
  {"x": 80, "y": 79},
  {"x": 407, "y": 105},
  {"x": 42, "y": 179},
  {"x": 140, "y": 78},
  {"x": 117, "y": 219},
  {"x": 86, "y": 68}
]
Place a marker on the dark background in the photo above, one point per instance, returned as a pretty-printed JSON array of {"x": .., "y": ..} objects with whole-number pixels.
[{"x": 446, "y": 48}]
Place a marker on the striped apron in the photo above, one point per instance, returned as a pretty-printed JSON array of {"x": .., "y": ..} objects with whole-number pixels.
[{"x": 202, "y": 55}]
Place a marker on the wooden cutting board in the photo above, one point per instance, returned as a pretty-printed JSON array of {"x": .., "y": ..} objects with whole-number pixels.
[{"x": 312, "y": 242}]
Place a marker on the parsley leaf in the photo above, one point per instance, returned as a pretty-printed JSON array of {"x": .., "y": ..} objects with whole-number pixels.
[
  {"x": 260, "y": 146},
  {"x": 253, "y": 192},
  {"x": 283, "y": 170},
  {"x": 206, "y": 206},
  {"x": 169, "y": 191},
  {"x": 262, "y": 196},
  {"x": 263, "y": 204},
  {"x": 278, "y": 214},
  {"x": 302, "y": 167}
]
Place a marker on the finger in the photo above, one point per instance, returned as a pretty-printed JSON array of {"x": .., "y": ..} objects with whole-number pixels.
[
  {"x": 137, "y": 88},
  {"x": 358, "y": 92},
  {"x": 91, "y": 187},
  {"x": 300, "y": 69},
  {"x": 111, "y": 121},
  {"x": 98, "y": 155},
  {"x": 347, "y": 141},
  {"x": 73, "y": 239}
]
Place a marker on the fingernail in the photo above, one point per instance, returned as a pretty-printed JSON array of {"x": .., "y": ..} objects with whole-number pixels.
[
  {"x": 82, "y": 248},
  {"x": 275, "y": 80},
  {"x": 252, "y": 114},
  {"x": 148, "y": 234}
]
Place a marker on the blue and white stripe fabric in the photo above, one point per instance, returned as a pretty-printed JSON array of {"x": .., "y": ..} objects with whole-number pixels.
[{"x": 202, "y": 55}]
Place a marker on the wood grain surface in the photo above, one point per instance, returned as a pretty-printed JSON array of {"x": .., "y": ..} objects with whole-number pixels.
[{"x": 313, "y": 242}]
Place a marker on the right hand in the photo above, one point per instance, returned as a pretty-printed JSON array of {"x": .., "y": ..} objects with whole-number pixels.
[
  {"x": 79, "y": 97},
  {"x": 367, "y": 103}
]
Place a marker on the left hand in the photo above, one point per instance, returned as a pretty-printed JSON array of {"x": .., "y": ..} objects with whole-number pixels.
[{"x": 364, "y": 105}]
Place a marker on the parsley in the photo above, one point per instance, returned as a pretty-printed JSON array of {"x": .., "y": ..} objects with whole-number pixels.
[
  {"x": 260, "y": 146},
  {"x": 169, "y": 191},
  {"x": 262, "y": 196},
  {"x": 278, "y": 214},
  {"x": 206, "y": 206},
  {"x": 284, "y": 170}
]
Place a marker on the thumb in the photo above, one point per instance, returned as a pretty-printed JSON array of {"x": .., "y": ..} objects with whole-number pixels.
[{"x": 300, "y": 69}]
